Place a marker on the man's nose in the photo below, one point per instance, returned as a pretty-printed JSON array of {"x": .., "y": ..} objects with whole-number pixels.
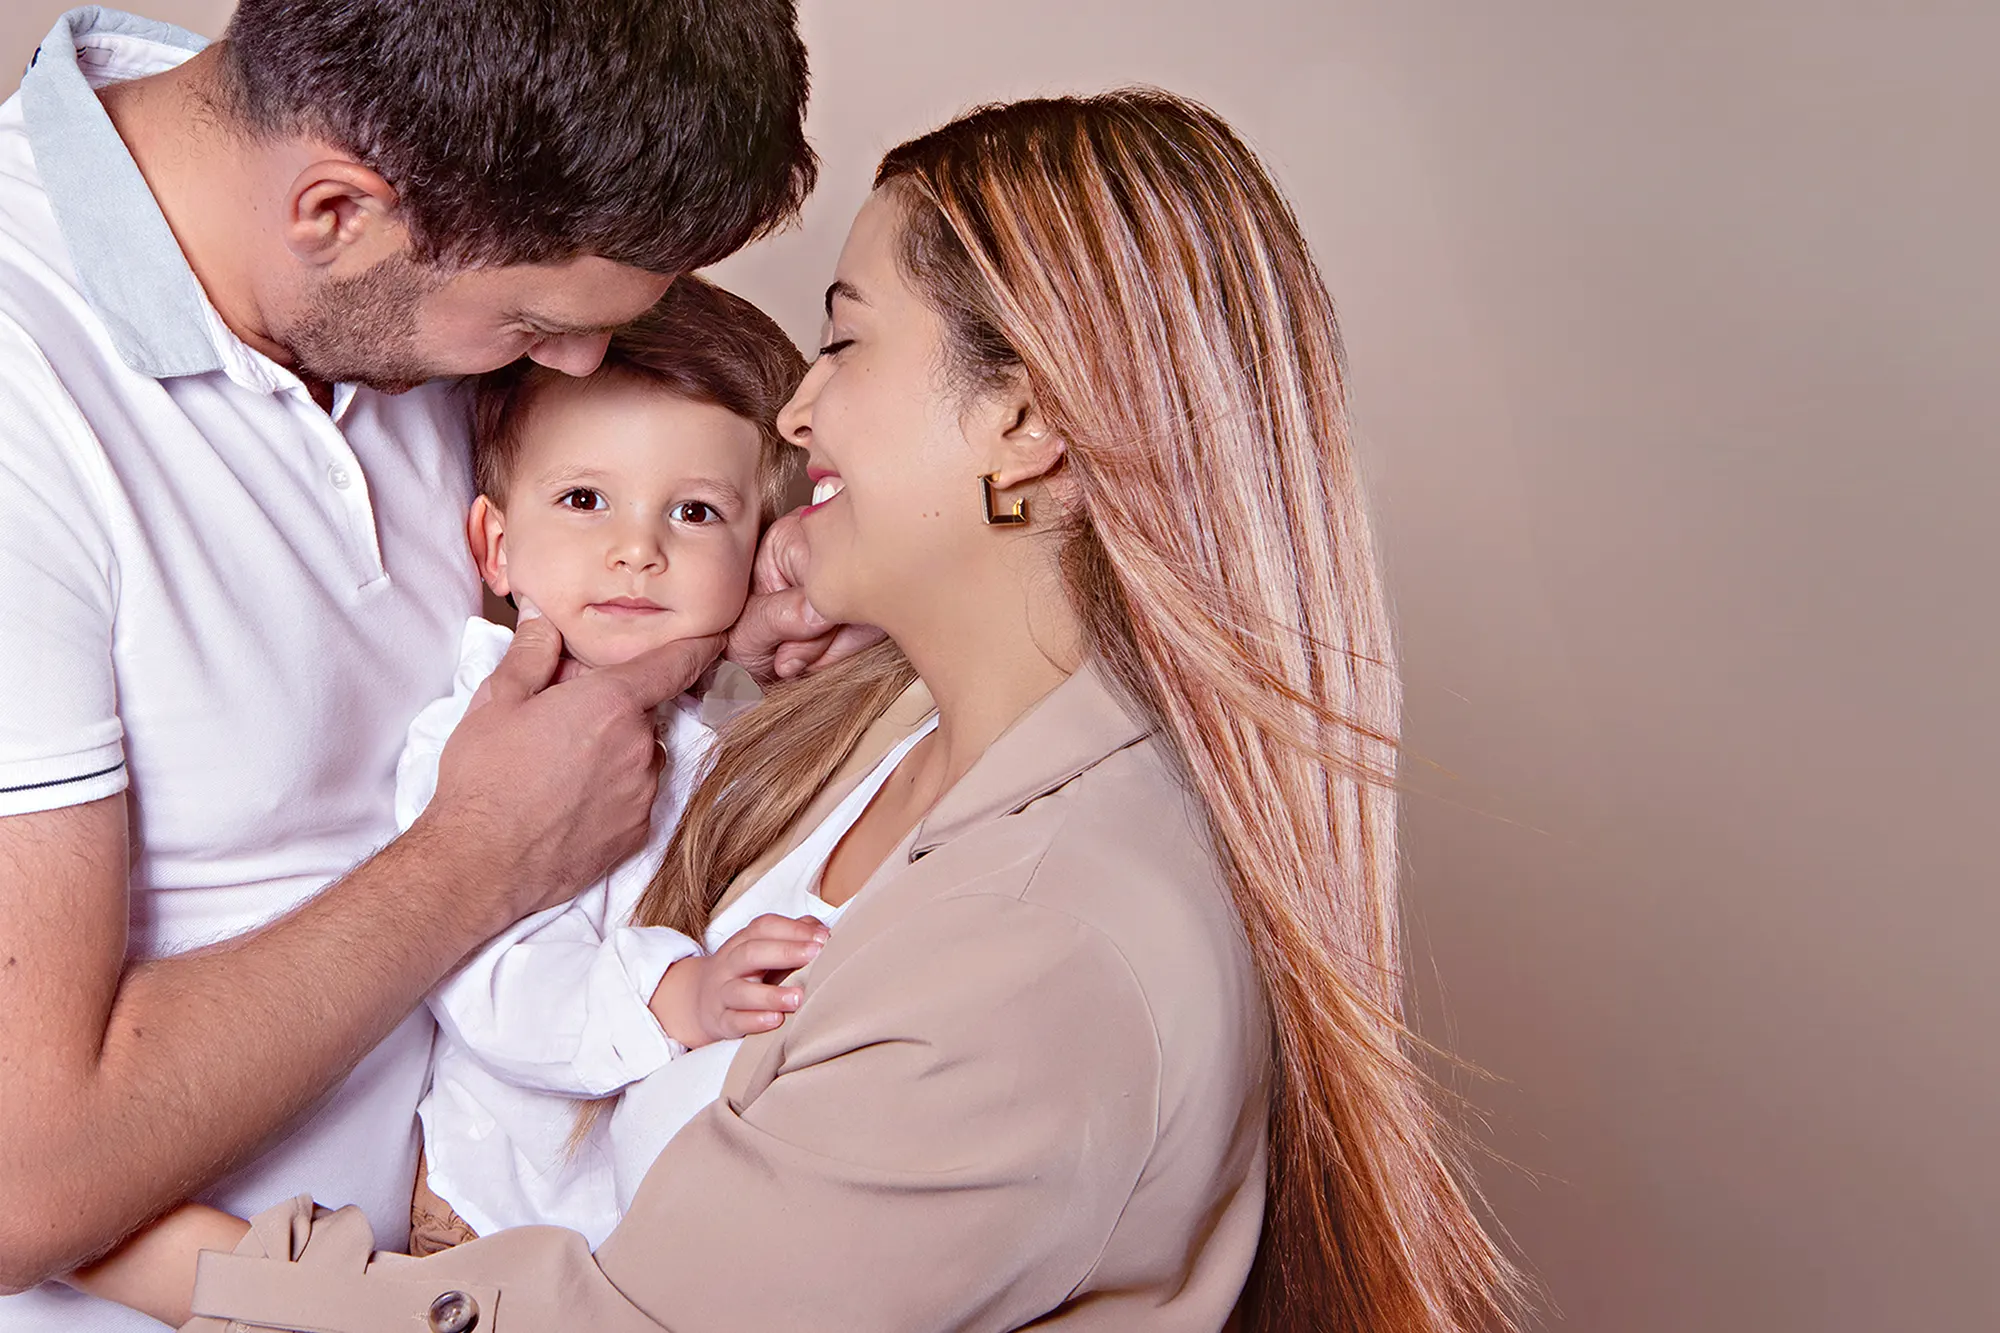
[{"x": 577, "y": 354}]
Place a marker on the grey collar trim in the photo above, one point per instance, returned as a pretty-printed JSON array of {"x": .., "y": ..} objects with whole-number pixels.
[{"x": 127, "y": 262}]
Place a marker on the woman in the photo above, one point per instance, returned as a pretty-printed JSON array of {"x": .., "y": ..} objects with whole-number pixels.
[{"x": 1110, "y": 1034}]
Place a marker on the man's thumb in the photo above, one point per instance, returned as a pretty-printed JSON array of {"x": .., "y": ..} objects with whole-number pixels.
[
  {"x": 658, "y": 674},
  {"x": 529, "y": 666}
]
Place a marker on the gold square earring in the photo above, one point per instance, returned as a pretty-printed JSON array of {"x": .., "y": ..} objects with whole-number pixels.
[{"x": 1019, "y": 513}]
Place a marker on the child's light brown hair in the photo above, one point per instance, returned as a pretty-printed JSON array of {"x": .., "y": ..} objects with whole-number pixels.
[{"x": 700, "y": 343}]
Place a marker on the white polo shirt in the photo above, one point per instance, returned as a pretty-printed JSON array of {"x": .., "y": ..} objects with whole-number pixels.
[{"x": 214, "y": 593}]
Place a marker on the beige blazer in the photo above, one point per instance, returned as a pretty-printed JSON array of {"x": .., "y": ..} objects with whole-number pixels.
[{"x": 1027, "y": 1084}]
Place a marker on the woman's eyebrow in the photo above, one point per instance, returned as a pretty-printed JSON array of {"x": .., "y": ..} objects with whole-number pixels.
[{"x": 843, "y": 289}]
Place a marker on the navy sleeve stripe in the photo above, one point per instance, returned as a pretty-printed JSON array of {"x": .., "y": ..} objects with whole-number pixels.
[{"x": 63, "y": 782}]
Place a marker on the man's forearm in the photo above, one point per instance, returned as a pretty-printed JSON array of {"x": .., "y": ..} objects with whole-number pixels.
[{"x": 207, "y": 1054}]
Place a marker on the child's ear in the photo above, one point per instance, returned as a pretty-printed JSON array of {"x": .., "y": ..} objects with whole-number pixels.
[{"x": 485, "y": 526}]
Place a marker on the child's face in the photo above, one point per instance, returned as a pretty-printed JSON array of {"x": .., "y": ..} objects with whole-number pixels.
[{"x": 631, "y": 517}]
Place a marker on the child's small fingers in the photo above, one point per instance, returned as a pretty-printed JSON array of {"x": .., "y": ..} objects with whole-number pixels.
[
  {"x": 746, "y": 996},
  {"x": 750, "y": 1022},
  {"x": 756, "y": 957},
  {"x": 771, "y": 926}
]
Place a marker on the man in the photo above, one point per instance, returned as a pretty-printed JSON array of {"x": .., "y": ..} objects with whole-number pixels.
[{"x": 231, "y": 555}]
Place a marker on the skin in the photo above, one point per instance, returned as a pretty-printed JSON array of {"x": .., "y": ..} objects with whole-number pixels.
[
  {"x": 991, "y": 633},
  {"x": 988, "y": 627},
  {"x": 630, "y": 520},
  {"x": 277, "y": 230},
  {"x": 127, "y": 1085},
  {"x": 631, "y": 523}
]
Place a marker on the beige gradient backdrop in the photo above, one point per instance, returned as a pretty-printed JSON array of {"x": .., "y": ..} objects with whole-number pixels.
[{"x": 1672, "y": 331}]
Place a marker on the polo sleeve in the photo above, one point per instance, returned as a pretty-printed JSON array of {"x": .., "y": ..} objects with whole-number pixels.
[
  {"x": 61, "y": 742},
  {"x": 962, "y": 1111}
]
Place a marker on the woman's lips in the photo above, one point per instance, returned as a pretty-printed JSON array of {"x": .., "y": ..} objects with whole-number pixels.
[{"x": 826, "y": 485}]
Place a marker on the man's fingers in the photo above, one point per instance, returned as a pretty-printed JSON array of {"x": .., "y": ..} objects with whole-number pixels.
[
  {"x": 850, "y": 640},
  {"x": 769, "y": 621},
  {"x": 529, "y": 666},
  {"x": 781, "y": 554},
  {"x": 793, "y": 660},
  {"x": 659, "y": 674}
]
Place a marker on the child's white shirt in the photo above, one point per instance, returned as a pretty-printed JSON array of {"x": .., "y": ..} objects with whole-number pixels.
[
  {"x": 556, "y": 1009},
  {"x": 552, "y": 1011},
  {"x": 652, "y": 1110}
]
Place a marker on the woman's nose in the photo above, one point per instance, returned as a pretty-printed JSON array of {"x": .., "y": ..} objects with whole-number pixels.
[{"x": 795, "y": 418}]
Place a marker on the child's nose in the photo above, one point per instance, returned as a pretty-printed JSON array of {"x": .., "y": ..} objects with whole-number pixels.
[{"x": 639, "y": 546}]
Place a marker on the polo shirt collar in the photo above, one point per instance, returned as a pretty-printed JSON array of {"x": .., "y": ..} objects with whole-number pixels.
[
  {"x": 1075, "y": 727},
  {"x": 128, "y": 264}
]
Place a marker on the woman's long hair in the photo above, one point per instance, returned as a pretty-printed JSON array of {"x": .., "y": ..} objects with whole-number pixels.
[{"x": 1131, "y": 257}]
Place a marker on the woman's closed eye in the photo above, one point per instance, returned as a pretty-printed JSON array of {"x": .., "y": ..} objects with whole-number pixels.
[
  {"x": 582, "y": 499},
  {"x": 836, "y": 347}
]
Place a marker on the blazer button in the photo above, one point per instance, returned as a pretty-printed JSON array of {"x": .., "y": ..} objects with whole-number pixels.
[{"x": 454, "y": 1312}]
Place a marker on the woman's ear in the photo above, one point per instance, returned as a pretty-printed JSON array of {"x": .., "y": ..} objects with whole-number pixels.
[
  {"x": 1008, "y": 429},
  {"x": 485, "y": 531},
  {"x": 336, "y": 208}
]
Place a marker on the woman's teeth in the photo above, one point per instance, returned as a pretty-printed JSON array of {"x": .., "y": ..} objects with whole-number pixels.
[{"x": 826, "y": 488}]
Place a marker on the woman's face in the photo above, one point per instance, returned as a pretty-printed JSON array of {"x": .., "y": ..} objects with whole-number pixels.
[{"x": 896, "y": 484}]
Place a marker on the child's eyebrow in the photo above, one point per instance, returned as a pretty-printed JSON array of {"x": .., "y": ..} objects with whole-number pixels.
[{"x": 726, "y": 491}]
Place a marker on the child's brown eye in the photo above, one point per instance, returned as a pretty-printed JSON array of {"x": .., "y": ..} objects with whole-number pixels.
[
  {"x": 581, "y": 498},
  {"x": 696, "y": 511}
]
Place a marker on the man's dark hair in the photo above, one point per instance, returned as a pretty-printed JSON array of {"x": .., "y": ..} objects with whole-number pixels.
[
  {"x": 661, "y": 134},
  {"x": 700, "y": 343}
]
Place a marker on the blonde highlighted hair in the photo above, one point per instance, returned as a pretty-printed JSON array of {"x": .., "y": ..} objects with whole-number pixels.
[{"x": 1131, "y": 257}]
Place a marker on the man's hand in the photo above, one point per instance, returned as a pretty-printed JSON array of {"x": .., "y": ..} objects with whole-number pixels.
[
  {"x": 779, "y": 634},
  {"x": 731, "y": 992},
  {"x": 126, "y": 1084},
  {"x": 546, "y": 785}
]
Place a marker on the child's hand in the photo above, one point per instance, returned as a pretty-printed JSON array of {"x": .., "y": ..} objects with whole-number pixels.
[{"x": 732, "y": 992}]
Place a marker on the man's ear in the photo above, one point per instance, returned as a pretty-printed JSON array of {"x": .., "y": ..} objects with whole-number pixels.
[
  {"x": 1008, "y": 429},
  {"x": 338, "y": 208},
  {"x": 485, "y": 527}
]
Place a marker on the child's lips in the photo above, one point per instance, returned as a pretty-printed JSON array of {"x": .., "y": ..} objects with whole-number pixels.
[{"x": 627, "y": 606}]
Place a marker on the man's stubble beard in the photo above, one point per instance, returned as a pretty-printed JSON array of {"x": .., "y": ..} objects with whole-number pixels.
[{"x": 363, "y": 330}]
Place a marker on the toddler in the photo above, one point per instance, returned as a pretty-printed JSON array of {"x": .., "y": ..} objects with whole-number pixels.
[{"x": 625, "y": 507}]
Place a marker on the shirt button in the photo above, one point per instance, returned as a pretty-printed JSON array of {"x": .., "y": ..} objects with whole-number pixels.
[
  {"x": 340, "y": 476},
  {"x": 454, "y": 1312}
]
